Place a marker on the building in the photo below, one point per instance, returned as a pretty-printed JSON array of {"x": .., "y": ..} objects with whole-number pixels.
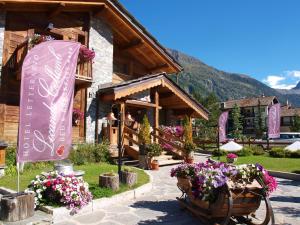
[
  {"x": 129, "y": 73},
  {"x": 250, "y": 108},
  {"x": 287, "y": 115}
]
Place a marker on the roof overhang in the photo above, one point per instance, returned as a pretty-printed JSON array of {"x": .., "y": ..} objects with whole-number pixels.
[
  {"x": 136, "y": 39},
  {"x": 171, "y": 95}
]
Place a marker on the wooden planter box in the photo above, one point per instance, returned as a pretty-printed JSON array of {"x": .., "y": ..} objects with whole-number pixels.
[
  {"x": 16, "y": 207},
  {"x": 231, "y": 201}
]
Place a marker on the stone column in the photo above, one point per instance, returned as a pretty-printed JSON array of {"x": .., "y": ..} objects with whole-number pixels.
[{"x": 101, "y": 40}]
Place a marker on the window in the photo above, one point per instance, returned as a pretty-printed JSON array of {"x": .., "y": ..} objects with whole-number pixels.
[{"x": 286, "y": 121}]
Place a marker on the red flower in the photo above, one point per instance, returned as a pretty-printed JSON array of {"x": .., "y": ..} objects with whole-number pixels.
[{"x": 48, "y": 183}]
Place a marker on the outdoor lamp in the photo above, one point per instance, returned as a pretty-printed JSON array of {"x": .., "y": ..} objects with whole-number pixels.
[
  {"x": 111, "y": 117},
  {"x": 128, "y": 119}
]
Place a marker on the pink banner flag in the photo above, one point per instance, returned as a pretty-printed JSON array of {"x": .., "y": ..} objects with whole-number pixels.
[
  {"x": 46, "y": 104},
  {"x": 274, "y": 121},
  {"x": 222, "y": 126}
]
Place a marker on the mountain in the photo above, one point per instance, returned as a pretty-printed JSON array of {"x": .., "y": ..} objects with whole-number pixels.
[
  {"x": 297, "y": 86},
  {"x": 198, "y": 77}
]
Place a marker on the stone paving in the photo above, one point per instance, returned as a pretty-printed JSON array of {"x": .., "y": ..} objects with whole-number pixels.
[{"x": 160, "y": 205}]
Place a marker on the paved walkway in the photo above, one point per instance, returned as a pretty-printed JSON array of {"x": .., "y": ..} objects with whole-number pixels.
[{"x": 160, "y": 206}]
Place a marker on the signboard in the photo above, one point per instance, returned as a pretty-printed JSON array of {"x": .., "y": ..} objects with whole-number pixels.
[
  {"x": 222, "y": 126},
  {"x": 274, "y": 121},
  {"x": 46, "y": 104}
]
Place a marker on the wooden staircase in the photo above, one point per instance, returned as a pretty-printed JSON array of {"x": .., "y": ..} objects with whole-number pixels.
[{"x": 131, "y": 147}]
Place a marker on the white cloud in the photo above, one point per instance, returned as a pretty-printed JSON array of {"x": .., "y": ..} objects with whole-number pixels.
[
  {"x": 293, "y": 73},
  {"x": 276, "y": 82}
]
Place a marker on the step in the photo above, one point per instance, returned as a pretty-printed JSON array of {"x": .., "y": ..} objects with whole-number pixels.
[
  {"x": 164, "y": 157},
  {"x": 169, "y": 162}
]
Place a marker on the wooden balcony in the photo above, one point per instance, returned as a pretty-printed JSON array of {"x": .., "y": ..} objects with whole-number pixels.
[{"x": 83, "y": 77}]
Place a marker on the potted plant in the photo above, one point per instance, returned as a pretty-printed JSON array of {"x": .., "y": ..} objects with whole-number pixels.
[
  {"x": 128, "y": 176},
  {"x": 231, "y": 157},
  {"x": 189, "y": 145},
  {"x": 145, "y": 140},
  {"x": 153, "y": 151},
  {"x": 189, "y": 148}
]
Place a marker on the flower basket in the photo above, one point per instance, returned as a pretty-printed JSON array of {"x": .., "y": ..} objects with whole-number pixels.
[
  {"x": 184, "y": 184},
  {"x": 218, "y": 191}
]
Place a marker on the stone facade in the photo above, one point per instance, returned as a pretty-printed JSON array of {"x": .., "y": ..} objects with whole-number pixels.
[
  {"x": 101, "y": 40},
  {"x": 2, "y": 28}
]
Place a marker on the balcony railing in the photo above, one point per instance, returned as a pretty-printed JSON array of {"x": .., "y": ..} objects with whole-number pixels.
[{"x": 84, "y": 75}]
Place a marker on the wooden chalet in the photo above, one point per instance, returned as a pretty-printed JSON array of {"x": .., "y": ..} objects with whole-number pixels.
[{"x": 130, "y": 67}]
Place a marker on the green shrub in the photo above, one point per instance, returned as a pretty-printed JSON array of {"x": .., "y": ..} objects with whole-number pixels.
[
  {"x": 218, "y": 153},
  {"x": 277, "y": 152},
  {"x": 245, "y": 152},
  {"x": 295, "y": 154},
  {"x": 10, "y": 156},
  {"x": 154, "y": 150},
  {"x": 256, "y": 150},
  {"x": 90, "y": 153}
]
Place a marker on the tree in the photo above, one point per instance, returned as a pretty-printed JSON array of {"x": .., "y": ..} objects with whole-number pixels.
[
  {"x": 296, "y": 124},
  {"x": 207, "y": 128},
  {"x": 188, "y": 132},
  {"x": 237, "y": 122},
  {"x": 144, "y": 133},
  {"x": 260, "y": 122}
]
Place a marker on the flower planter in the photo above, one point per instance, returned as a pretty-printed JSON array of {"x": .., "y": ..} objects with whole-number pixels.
[
  {"x": 129, "y": 178},
  {"x": 189, "y": 160},
  {"x": 154, "y": 165},
  {"x": 109, "y": 181},
  {"x": 16, "y": 207},
  {"x": 236, "y": 197}
]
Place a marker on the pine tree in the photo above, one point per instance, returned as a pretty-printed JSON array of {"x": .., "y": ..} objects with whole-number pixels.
[
  {"x": 144, "y": 133},
  {"x": 237, "y": 122},
  {"x": 259, "y": 121},
  {"x": 207, "y": 128},
  {"x": 296, "y": 124}
]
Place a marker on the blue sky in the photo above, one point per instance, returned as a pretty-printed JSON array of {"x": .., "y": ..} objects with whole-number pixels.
[{"x": 260, "y": 38}]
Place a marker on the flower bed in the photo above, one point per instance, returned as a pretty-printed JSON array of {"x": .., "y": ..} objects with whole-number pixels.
[{"x": 59, "y": 189}]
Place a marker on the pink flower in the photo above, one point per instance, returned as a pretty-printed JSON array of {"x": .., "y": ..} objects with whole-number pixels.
[{"x": 231, "y": 156}]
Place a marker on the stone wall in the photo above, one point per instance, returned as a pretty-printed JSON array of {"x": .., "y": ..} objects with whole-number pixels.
[
  {"x": 2, "y": 28},
  {"x": 101, "y": 40}
]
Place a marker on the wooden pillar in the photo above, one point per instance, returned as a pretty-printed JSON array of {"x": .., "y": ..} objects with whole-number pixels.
[
  {"x": 122, "y": 112},
  {"x": 156, "y": 113}
]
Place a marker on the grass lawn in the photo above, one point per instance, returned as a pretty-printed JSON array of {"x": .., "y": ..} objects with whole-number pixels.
[
  {"x": 278, "y": 164},
  {"x": 92, "y": 172}
]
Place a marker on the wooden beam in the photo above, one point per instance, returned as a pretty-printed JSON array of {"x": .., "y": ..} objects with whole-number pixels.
[
  {"x": 82, "y": 3},
  {"x": 141, "y": 104},
  {"x": 98, "y": 12},
  {"x": 56, "y": 11},
  {"x": 156, "y": 114},
  {"x": 133, "y": 45},
  {"x": 2, "y": 6},
  {"x": 159, "y": 67}
]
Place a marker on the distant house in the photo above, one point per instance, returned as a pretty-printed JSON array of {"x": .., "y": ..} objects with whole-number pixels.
[
  {"x": 251, "y": 108},
  {"x": 287, "y": 117}
]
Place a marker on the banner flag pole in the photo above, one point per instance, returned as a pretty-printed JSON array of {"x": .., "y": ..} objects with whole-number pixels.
[{"x": 18, "y": 179}]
